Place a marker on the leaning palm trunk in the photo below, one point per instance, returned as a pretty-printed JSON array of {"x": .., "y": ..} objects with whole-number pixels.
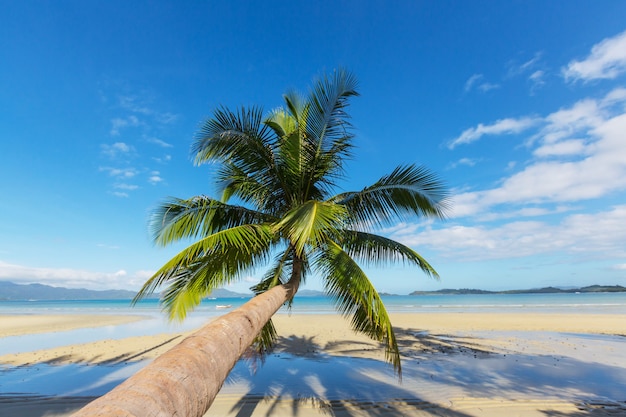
[{"x": 185, "y": 380}]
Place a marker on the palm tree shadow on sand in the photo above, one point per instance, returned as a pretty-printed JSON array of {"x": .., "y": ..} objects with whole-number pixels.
[
  {"x": 331, "y": 385},
  {"x": 304, "y": 376}
]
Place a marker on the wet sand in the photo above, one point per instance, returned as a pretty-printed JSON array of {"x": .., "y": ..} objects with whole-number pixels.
[
  {"x": 15, "y": 325},
  {"x": 455, "y": 364}
]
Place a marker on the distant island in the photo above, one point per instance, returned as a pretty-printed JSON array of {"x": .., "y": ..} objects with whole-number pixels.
[
  {"x": 10, "y": 291},
  {"x": 545, "y": 290}
]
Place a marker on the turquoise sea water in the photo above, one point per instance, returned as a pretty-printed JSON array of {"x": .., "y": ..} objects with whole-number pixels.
[
  {"x": 605, "y": 303},
  {"x": 155, "y": 321}
]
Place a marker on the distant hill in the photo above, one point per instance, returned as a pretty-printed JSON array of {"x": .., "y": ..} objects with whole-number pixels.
[
  {"x": 11, "y": 291},
  {"x": 17, "y": 292},
  {"x": 224, "y": 293},
  {"x": 545, "y": 290}
]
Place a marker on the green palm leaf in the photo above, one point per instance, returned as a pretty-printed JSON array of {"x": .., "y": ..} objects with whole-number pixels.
[
  {"x": 237, "y": 136},
  {"x": 199, "y": 216},
  {"x": 327, "y": 118},
  {"x": 379, "y": 251},
  {"x": 311, "y": 223},
  {"x": 407, "y": 191},
  {"x": 210, "y": 263},
  {"x": 355, "y": 296}
]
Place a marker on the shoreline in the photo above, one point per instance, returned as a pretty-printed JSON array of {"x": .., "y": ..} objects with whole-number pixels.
[
  {"x": 310, "y": 331},
  {"x": 455, "y": 364},
  {"x": 23, "y": 324}
]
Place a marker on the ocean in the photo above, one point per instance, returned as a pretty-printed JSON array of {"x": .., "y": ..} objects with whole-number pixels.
[{"x": 605, "y": 303}]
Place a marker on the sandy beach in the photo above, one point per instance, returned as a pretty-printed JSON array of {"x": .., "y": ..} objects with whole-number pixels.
[{"x": 455, "y": 364}]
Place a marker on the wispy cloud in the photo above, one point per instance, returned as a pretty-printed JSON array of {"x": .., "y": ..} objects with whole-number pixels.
[
  {"x": 515, "y": 69},
  {"x": 579, "y": 154},
  {"x": 134, "y": 113},
  {"x": 162, "y": 159},
  {"x": 133, "y": 103},
  {"x": 119, "y": 123},
  {"x": 476, "y": 81},
  {"x": 607, "y": 60},
  {"x": 119, "y": 172},
  {"x": 471, "y": 81},
  {"x": 159, "y": 142},
  {"x": 507, "y": 126},
  {"x": 155, "y": 178},
  {"x": 116, "y": 149},
  {"x": 124, "y": 186},
  {"x": 537, "y": 80},
  {"x": 166, "y": 118},
  {"x": 470, "y": 162}
]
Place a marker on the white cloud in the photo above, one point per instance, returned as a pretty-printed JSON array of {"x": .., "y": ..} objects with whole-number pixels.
[
  {"x": 587, "y": 153},
  {"x": 163, "y": 160},
  {"x": 537, "y": 80},
  {"x": 71, "y": 278},
  {"x": 131, "y": 103},
  {"x": 471, "y": 81},
  {"x": 474, "y": 80},
  {"x": 484, "y": 87},
  {"x": 515, "y": 69},
  {"x": 159, "y": 142},
  {"x": 599, "y": 236},
  {"x": 120, "y": 194},
  {"x": 530, "y": 63},
  {"x": 118, "y": 123},
  {"x": 166, "y": 118},
  {"x": 119, "y": 172},
  {"x": 124, "y": 186},
  {"x": 607, "y": 60},
  {"x": 470, "y": 162},
  {"x": 501, "y": 127},
  {"x": 155, "y": 178},
  {"x": 568, "y": 147},
  {"x": 116, "y": 149},
  {"x": 524, "y": 212}
]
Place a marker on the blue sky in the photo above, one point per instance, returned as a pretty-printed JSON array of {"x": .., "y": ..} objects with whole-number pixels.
[{"x": 520, "y": 106}]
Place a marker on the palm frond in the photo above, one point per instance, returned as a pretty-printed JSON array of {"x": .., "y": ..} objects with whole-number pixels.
[
  {"x": 277, "y": 274},
  {"x": 327, "y": 119},
  {"x": 355, "y": 296},
  {"x": 310, "y": 223},
  {"x": 379, "y": 251},
  {"x": 407, "y": 191},
  {"x": 210, "y": 263},
  {"x": 281, "y": 122},
  {"x": 266, "y": 339},
  {"x": 240, "y": 136},
  {"x": 178, "y": 219}
]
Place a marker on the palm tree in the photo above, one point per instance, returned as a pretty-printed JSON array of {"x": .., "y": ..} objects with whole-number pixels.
[{"x": 280, "y": 170}]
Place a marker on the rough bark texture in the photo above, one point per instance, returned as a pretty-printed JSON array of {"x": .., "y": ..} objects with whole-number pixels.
[{"x": 185, "y": 380}]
